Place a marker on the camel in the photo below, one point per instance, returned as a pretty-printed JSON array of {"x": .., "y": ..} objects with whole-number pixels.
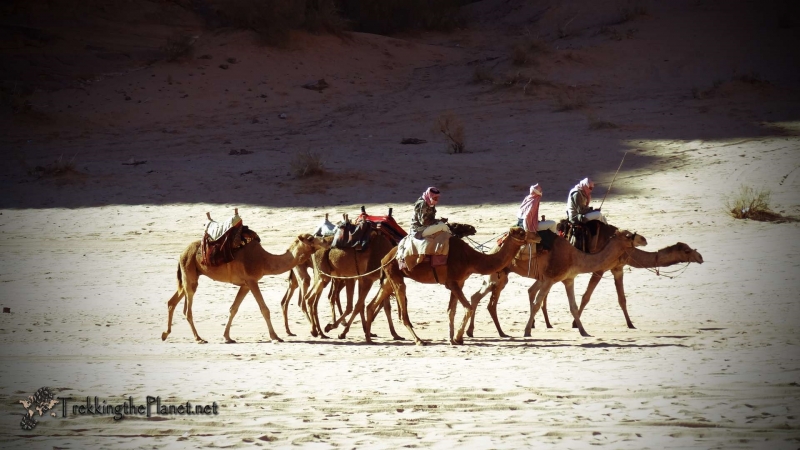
[
  {"x": 562, "y": 263},
  {"x": 250, "y": 264},
  {"x": 462, "y": 261},
  {"x": 348, "y": 262},
  {"x": 664, "y": 257},
  {"x": 667, "y": 256}
]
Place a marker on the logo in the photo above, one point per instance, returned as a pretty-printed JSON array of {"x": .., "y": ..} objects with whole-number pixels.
[{"x": 40, "y": 402}]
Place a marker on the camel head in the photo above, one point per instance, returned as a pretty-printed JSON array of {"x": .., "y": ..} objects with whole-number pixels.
[
  {"x": 687, "y": 253},
  {"x": 527, "y": 237},
  {"x": 306, "y": 244},
  {"x": 633, "y": 239}
]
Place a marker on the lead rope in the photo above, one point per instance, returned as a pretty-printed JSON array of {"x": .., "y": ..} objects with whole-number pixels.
[{"x": 317, "y": 269}]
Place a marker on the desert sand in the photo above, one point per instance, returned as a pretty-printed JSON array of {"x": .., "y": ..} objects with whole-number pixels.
[{"x": 701, "y": 97}]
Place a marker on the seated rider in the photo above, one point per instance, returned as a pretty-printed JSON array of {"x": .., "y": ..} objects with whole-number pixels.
[
  {"x": 424, "y": 223},
  {"x": 528, "y": 214},
  {"x": 578, "y": 209}
]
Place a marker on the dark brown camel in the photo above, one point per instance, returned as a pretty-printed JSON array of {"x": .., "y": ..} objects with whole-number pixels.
[
  {"x": 349, "y": 262},
  {"x": 250, "y": 264},
  {"x": 561, "y": 263},
  {"x": 462, "y": 261}
]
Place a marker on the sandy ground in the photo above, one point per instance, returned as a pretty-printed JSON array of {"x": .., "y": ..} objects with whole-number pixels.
[{"x": 89, "y": 258}]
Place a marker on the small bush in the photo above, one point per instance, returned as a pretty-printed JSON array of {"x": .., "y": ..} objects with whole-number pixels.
[
  {"x": 523, "y": 53},
  {"x": 482, "y": 74},
  {"x": 751, "y": 204},
  {"x": 569, "y": 99},
  {"x": 597, "y": 124},
  {"x": 57, "y": 168},
  {"x": 453, "y": 128},
  {"x": 307, "y": 164},
  {"x": 179, "y": 48}
]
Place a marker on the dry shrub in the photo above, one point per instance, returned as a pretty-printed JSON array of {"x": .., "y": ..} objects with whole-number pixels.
[
  {"x": 751, "y": 204},
  {"x": 598, "y": 124},
  {"x": 57, "y": 168},
  {"x": 534, "y": 83},
  {"x": 179, "y": 48},
  {"x": 392, "y": 16},
  {"x": 523, "y": 53},
  {"x": 482, "y": 74},
  {"x": 569, "y": 99},
  {"x": 453, "y": 128},
  {"x": 323, "y": 15},
  {"x": 631, "y": 11},
  {"x": 307, "y": 164},
  {"x": 271, "y": 20}
]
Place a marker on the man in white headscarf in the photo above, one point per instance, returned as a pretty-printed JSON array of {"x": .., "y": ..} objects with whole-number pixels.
[{"x": 578, "y": 209}]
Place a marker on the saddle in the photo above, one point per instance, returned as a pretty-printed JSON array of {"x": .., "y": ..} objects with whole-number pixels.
[
  {"x": 222, "y": 240},
  {"x": 578, "y": 234},
  {"x": 356, "y": 234}
]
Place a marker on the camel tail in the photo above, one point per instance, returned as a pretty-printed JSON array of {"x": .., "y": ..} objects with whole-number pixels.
[{"x": 180, "y": 279}]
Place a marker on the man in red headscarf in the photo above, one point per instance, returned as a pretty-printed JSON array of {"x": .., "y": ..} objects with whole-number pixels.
[
  {"x": 528, "y": 214},
  {"x": 424, "y": 222}
]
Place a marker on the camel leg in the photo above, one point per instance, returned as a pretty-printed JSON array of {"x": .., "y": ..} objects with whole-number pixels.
[
  {"x": 387, "y": 309},
  {"x": 593, "y": 282},
  {"x": 293, "y": 285},
  {"x": 456, "y": 288},
  {"x": 253, "y": 285},
  {"x": 349, "y": 291},
  {"x": 569, "y": 284},
  {"x": 360, "y": 309},
  {"x": 311, "y": 299},
  {"x": 190, "y": 287},
  {"x": 544, "y": 313},
  {"x": 536, "y": 294},
  {"x": 502, "y": 281},
  {"x": 402, "y": 305},
  {"x": 313, "y": 308},
  {"x": 383, "y": 295},
  {"x": 623, "y": 302},
  {"x": 451, "y": 315},
  {"x": 243, "y": 290},
  {"x": 488, "y": 286},
  {"x": 172, "y": 303}
]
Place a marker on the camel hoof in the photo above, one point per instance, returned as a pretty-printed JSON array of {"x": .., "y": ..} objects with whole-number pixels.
[
  {"x": 373, "y": 335},
  {"x": 527, "y": 334},
  {"x": 397, "y": 337},
  {"x": 229, "y": 341},
  {"x": 585, "y": 334},
  {"x": 201, "y": 341},
  {"x": 164, "y": 336},
  {"x": 549, "y": 326},
  {"x": 277, "y": 339},
  {"x": 420, "y": 343},
  {"x": 574, "y": 325},
  {"x": 314, "y": 333},
  {"x": 342, "y": 335},
  {"x": 289, "y": 333},
  {"x": 469, "y": 333},
  {"x": 631, "y": 327},
  {"x": 503, "y": 335},
  {"x": 328, "y": 327}
]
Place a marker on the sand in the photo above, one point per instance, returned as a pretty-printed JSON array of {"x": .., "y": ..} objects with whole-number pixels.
[{"x": 90, "y": 256}]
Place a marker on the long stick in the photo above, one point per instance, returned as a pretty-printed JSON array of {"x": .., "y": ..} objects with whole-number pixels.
[{"x": 612, "y": 181}]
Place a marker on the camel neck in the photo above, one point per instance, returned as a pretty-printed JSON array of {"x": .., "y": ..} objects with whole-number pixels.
[
  {"x": 491, "y": 263},
  {"x": 662, "y": 258},
  {"x": 605, "y": 259}
]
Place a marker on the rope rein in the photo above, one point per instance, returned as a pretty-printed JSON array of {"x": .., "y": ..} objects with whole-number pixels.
[{"x": 318, "y": 270}]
